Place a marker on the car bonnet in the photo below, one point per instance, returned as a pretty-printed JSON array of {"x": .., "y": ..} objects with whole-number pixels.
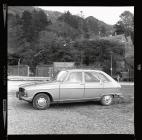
[{"x": 35, "y": 83}]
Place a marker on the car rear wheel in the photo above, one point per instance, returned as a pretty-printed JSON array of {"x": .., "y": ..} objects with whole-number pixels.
[
  {"x": 107, "y": 100},
  {"x": 41, "y": 101}
]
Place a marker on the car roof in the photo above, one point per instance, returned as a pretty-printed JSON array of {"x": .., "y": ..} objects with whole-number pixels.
[{"x": 82, "y": 70}]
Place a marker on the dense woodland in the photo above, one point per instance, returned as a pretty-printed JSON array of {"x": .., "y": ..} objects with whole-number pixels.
[{"x": 38, "y": 37}]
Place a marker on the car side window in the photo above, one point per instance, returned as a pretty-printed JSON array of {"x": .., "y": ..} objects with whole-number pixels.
[
  {"x": 101, "y": 77},
  {"x": 75, "y": 77},
  {"x": 89, "y": 77}
]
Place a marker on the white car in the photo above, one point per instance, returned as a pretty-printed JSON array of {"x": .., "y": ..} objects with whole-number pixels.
[{"x": 71, "y": 86}]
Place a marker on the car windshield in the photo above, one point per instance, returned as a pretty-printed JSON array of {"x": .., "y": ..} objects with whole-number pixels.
[{"x": 61, "y": 76}]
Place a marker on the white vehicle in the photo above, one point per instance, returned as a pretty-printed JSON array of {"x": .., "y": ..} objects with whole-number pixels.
[{"x": 71, "y": 86}]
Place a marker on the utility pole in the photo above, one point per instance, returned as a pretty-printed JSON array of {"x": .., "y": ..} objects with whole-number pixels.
[
  {"x": 19, "y": 66},
  {"x": 81, "y": 24},
  {"x": 81, "y": 29},
  {"x": 81, "y": 57},
  {"x": 111, "y": 65}
]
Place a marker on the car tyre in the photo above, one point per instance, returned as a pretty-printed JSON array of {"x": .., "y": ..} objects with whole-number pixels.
[
  {"x": 41, "y": 101},
  {"x": 107, "y": 100}
]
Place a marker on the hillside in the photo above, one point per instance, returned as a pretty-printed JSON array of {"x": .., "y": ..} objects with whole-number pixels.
[
  {"x": 94, "y": 26},
  {"x": 54, "y": 15},
  {"x": 99, "y": 22},
  {"x": 69, "y": 25},
  {"x": 19, "y": 9}
]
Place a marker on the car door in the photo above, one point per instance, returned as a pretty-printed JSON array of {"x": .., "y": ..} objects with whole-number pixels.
[
  {"x": 93, "y": 86},
  {"x": 73, "y": 87}
]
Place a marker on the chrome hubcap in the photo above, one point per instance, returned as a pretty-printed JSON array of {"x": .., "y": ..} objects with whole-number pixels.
[
  {"x": 42, "y": 102},
  {"x": 107, "y": 99}
]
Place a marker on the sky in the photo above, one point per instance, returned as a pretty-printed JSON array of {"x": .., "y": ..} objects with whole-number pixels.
[{"x": 109, "y": 15}]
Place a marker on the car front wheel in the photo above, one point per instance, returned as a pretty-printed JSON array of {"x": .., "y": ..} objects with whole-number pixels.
[
  {"x": 107, "y": 100},
  {"x": 41, "y": 101}
]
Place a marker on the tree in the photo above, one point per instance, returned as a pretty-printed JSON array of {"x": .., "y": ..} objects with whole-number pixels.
[
  {"x": 98, "y": 53},
  {"x": 27, "y": 25},
  {"x": 15, "y": 40},
  {"x": 75, "y": 22},
  {"x": 70, "y": 19},
  {"x": 39, "y": 21},
  {"x": 92, "y": 27},
  {"x": 14, "y": 31},
  {"x": 63, "y": 29},
  {"x": 32, "y": 23},
  {"x": 126, "y": 25},
  {"x": 23, "y": 34},
  {"x": 103, "y": 31}
]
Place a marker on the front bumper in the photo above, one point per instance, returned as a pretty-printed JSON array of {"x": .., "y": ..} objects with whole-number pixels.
[
  {"x": 18, "y": 95},
  {"x": 21, "y": 97}
]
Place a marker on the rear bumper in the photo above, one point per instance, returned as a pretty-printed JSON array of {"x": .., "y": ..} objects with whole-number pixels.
[{"x": 19, "y": 95}]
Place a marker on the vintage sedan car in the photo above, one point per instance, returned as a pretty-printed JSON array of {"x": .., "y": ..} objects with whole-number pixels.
[{"x": 71, "y": 86}]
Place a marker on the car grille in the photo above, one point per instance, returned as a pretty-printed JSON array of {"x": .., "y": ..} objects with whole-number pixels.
[
  {"x": 21, "y": 89},
  {"x": 21, "y": 92}
]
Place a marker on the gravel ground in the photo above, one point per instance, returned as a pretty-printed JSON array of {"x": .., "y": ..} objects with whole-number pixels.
[{"x": 73, "y": 118}]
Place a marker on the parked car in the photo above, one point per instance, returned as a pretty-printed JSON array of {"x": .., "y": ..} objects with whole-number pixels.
[{"x": 71, "y": 86}]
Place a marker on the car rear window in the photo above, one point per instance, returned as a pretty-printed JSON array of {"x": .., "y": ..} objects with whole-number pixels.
[
  {"x": 89, "y": 77},
  {"x": 101, "y": 76}
]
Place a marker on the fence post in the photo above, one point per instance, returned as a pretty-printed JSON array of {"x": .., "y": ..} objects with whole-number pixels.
[
  {"x": 36, "y": 71},
  {"x": 28, "y": 71},
  {"x": 128, "y": 74},
  {"x": 18, "y": 69}
]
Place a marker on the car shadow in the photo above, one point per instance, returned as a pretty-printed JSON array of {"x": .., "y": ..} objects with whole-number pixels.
[
  {"x": 96, "y": 104},
  {"x": 74, "y": 105},
  {"x": 25, "y": 106},
  {"x": 28, "y": 106}
]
